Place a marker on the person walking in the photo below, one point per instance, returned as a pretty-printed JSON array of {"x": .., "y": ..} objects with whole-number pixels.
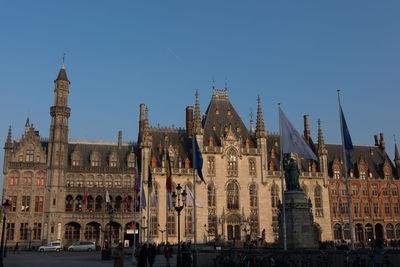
[
  {"x": 16, "y": 248},
  {"x": 118, "y": 255},
  {"x": 143, "y": 256},
  {"x": 168, "y": 253},
  {"x": 151, "y": 254}
]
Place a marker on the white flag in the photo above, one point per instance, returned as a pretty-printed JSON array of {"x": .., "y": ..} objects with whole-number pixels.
[
  {"x": 154, "y": 199},
  {"x": 107, "y": 197},
  {"x": 190, "y": 199},
  {"x": 169, "y": 201},
  {"x": 215, "y": 185},
  {"x": 291, "y": 141}
]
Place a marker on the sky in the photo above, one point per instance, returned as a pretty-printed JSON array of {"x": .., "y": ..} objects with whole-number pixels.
[{"x": 120, "y": 54}]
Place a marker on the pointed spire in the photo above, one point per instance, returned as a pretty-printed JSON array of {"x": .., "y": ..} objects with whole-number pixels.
[
  {"x": 396, "y": 153},
  {"x": 321, "y": 144},
  {"x": 260, "y": 129},
  {"x": 197, "y": 118},
  {"x": 62, "y": 75},
  {"x": 27, "y": 125},
  {"x": 146, "y": 120},
  {"x": 251, "y": 122},
  {"x": 8, "y": 141}
]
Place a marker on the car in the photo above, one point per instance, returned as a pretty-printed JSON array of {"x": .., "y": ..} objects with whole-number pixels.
[
  {"x": 83, "y": 246},
  {"x": 51, "y": 246}
]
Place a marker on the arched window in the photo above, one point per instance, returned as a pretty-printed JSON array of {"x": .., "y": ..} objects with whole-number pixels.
[
  {"x": 337, "y": 232},
  {"x": 211, "y": 195},
  {"x": 389, "y": 231},
  {"x": 14, "y": 177},
  {"x": 79, "y": 181},
  {"x": 274, "y": 196},
  {"x": 232, "y": 163},
  {"x": 118, "y": 181},
  {"x": 233, "y": 196},
  {"x": 108, "y": 181},
  {"x": 318, "y": 201},
  {"x": 90, "y": 181},
  {"x": 40, "y": 178},
  {"x": 253, "y": 196},
  {"x": 70, "y": 181},
  {"x": 29, "y": 155},
  {"x": 69, "y": 203},
  {"x": 127, "y": 181},
  {"x": 99, "y": 204},
  {"x": 346, "y": 231},
  {"x": 398, "y": 231},
  {"x": 171, "y": 224},
  {"x": 99, "y": 181},
  {"x": 252, "y": 167},
  {"x": 78, "y": 203},
  {"x": 118, "y": 201},
  {"x": 27, "y": 178},
  {"x": 89, "y": 204}
]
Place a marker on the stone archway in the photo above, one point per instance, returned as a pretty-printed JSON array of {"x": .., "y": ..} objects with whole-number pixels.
[
  {"x": 379, "y": 231},
  {"x": 359, "y": 232},
  {"x": 72, "y": 232},
  {"x": 92, "y": 232},
  {"x": 115, "y": 233},
  {"x": 369, "y": 232},
  {"x": 131, "y": 232}
]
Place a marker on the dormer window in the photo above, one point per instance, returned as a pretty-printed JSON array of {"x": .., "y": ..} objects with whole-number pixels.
[
  {"x": 217, "y": 111},
  {"x": 336, "y": 174},
  {"x": 384, "y": 191},
  {"x": 210, "y": 141},
  {"x": 247, "y": 142},
  {"x": 362, "y": 175},
  {"x": 113, "y": 160},
  {"x": 95, "y": 159},
  {"x": 113, "y": 163},
  {"x": 229, "y": 112},
  {"x": 214, "y": 127},
  {"x": 187, "y": 163},
  {"x": 95, "y": 163},
  {"x": 75, "y": 163},
  {"x": 29, "y": 156}
]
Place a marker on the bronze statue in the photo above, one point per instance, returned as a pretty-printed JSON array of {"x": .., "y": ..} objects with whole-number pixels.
[{"x": 292, "y": 176}]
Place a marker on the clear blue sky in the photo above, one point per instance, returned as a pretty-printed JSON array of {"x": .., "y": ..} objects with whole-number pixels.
[{"x": 123, "y": 53}]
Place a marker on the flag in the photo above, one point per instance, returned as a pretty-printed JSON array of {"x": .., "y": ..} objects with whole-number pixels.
[
  {"x": 86, "y": 197},
  {"x": 190, "y": 199},
  {"x": 291, "y": 140},
  {"x": 132, "y": 226},
  {"x": 168, "y": 173},
  {"x": 215, "y": 185},
  {"x": 127, "y": 197},
  {"x": 154, "y": 200},
  {"x": 143, "y": 197},
  {"x": 150, "y": 179},
  {"x": 348, "y": 144},
  {"x": 136, "y": 188},
  {"x": 169, "y": 201},
  {"x": 198, "y": 162},
  {"x": 107, "y": 197}
]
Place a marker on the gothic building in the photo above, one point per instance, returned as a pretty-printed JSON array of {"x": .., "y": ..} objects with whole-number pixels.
[{"x": 58, "y": 188}]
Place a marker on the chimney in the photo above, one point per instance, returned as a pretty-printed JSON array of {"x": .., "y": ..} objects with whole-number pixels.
[
  {"x": 189, "y": 120},
  {"x": 307, "y": 132},
  {"x": 381, "y": 142},
  {"x": 119, "y": 139},
  {"x": 376, "y": 140}
]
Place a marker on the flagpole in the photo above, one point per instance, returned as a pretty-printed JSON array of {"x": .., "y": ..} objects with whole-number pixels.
[
  {"x": 140, "y": 206},
  {"x": 148, "y": 211},
  {"x": 345, "y": 174},
  {"x": 340, "y": 212},
  {"x": 166, "y": 194},
  {"x": 194, "y": 197},
  {"x": 282, "y": 185}
]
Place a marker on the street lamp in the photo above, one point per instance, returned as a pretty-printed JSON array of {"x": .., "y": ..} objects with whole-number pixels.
[
  {"x": 162, "y": 233},
  {"x": 5, "y": 209},
  {"x": 179, "y": 208}
]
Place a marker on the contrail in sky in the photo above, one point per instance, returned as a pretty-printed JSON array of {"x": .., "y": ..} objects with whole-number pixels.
[{"x": 173, "y": 53}]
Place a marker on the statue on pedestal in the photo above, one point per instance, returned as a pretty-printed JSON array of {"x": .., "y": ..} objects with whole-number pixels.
[{"x": 292, "y": 173}]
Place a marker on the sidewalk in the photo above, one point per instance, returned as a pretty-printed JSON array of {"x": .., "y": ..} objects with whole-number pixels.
[{"x": 160, "y": 261}]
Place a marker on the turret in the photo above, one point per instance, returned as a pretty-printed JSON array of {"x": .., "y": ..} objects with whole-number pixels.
[
  {"x": 7, "y": 151},
  {"x": 260, "y": 129},
  {"x": 397, "y": 159},
  {"x": 197, "y": 118},
  {"x": 261, "y": 136},
  {"x": 322, "y": 154}
]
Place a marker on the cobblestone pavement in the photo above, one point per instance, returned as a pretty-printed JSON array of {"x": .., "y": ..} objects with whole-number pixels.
[{"x": 69, "y": 259}]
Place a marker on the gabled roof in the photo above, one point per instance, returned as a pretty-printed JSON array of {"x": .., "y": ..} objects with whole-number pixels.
[{"x": 220, "y": 114}]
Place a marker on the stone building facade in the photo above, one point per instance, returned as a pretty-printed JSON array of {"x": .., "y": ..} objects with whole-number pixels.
[{"x": 58, "y": 188}]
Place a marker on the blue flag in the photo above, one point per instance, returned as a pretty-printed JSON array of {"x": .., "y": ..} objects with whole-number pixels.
[
  {"x": 291, "y": 140},
  {"x": 348, "y": 144},
  {"x": 198, "y": 162},
  {"x": 143, "y": 197}
]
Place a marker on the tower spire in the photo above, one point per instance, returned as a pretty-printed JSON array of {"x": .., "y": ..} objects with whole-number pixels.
[
  {"x": 62, "y": 75},
  {"x": 146, "y": 120},
  {"x": 197, "y": 118},
  {"x": 8, "y": 141},
  {"x": 260, "y": 129},
  {"x": 251, "y": 122},
  {"x": 27, "y": 124},
  {"x": 396, "y": 150},
  {"x": 321, "y": 144}
]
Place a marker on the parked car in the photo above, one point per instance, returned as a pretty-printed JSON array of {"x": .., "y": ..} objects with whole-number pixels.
[
  {"x": 51, "y": 246},
  {"x": 83, "y": 246}
]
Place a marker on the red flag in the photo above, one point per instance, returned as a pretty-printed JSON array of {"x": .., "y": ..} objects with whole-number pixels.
[
  {"x": 86, "y": 195},
  {"x": 132, "y": 226},
  {"x": 127, "y": 197}
]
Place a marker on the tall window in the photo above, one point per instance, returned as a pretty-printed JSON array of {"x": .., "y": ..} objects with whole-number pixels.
[
  {"x": 78, "y": 203},
  {"x": 39, "y": 204},
  {"x": 127, "y": 181},
  {"x": 90, "y": 181},
  {"x": 23, "y": 231},
  {"x": 99, "y": 181},
  {"x": 26, "y": 203},
  {"x": 14, "y": 176},
  {"x": 211, "y": 195},
  {"x": 387, "y": 208},
  {"x": 389, "y": 231},
  {"x": 10, "y": 232},
  {"x": 29, "y": 156},
  {"x": 396, "y": 208},
  {"x": 253, "y": 196},
  {"x": 108, "y": 181},
  {"x": 366, "y": 209},
  {"x": 333, "y": 190},
  {"x": 374, "y": 190},
  {"x": 117, "y": 181},
  {"x": 252, "y": 167},
  {"x": 12, "y": 200},
  {"x": 384, "y": 191},
  {"x": 37, "y": 231},
  {"x": 254, "y": 225},
  {"x": 211, "y": 165},
  {"x": 154, "y": 225},
  {"x": 189, "y": 221},
  {"x": 318, "y": 202},
  {"x": 79, "y": 181},
  {"x": 334, "y": 208},
  {"x": 212, "y": 224},
  {"x": 233, "y": 196},
  {"x": 365, "y": 191},
  {"x": 274, "y": 196},
  {"x": 356, "y": 207},
  {"x": 171, "y": 224},
  {"x": 27, "y": 178},
  {"x": 394, "y": 191},
  {"x": 68, "y": 203},
  {"x": 354, "y": 190},
  {"x": 40, "y": 179},
  {"x": 232, "y": 163},
  {"x": 376, "y": 209}
]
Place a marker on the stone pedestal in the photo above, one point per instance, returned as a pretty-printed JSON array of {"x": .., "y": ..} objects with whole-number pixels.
[{"x": 299, "y": 221}]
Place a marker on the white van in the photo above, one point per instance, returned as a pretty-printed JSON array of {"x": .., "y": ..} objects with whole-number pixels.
[
  {"x": 83, "y": 246},
  {"x": 51, "y": 246}
]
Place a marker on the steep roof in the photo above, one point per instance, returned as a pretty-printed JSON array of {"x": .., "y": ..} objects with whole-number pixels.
[
  {"x": 220, "y": 114},
  {"x": 62, "y": 75}
]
